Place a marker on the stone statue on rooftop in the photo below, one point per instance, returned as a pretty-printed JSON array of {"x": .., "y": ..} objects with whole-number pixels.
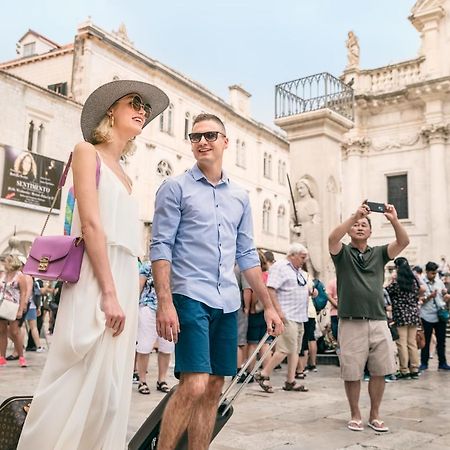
[{"x": 352, "y": 50}]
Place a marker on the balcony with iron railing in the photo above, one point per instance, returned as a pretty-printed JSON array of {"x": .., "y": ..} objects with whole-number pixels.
[{"x": 312, "y": 93}]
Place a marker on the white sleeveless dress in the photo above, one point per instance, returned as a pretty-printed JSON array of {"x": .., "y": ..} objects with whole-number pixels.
[{"x": 83, "y": 397}]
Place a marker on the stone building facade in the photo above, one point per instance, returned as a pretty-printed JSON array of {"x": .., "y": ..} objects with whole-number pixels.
[
  {"x": 48, "y": 83},
  {"x": 392, "y": 147}
]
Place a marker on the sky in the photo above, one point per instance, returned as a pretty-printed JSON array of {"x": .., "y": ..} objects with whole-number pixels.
[{"x": 254, "y": 43}]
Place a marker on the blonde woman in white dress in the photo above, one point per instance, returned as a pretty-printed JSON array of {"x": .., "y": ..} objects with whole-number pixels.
[{"x": 83, "y": 398}]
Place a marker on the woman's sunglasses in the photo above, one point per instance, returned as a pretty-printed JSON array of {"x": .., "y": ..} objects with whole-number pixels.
[
  {"x": 136, "y": 103},
  {"x": 210, "y": 136}
]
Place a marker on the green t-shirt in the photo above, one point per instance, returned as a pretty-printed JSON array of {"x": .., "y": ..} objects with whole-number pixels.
[{"x": 360, "y": 278}]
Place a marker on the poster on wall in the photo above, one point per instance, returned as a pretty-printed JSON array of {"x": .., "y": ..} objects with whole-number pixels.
[{"x": 30, "y": 180}]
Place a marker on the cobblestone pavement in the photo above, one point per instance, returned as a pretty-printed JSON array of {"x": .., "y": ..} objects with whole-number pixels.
[{"x": 417, "y": 411}]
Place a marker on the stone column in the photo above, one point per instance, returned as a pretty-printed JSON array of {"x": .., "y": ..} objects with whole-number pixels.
[
  {"x": 436, "y": 136},
  {"x": 315, "y": 151}
]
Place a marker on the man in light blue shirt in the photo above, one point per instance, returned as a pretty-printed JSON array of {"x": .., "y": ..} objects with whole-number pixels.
[{"x": 202, "y": 225}]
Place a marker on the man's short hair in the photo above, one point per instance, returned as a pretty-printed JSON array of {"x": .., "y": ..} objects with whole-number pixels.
[
  {"x": 296, "y": 248},
  {"x": 269, "y": 256},
  {"x": 431, "y": 266},
  {"x": 417, "y": 269},
  {"x": 206, "y": 116}
]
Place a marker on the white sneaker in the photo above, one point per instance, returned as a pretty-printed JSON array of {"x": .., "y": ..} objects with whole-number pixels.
[{"x": 40, "y": 350}]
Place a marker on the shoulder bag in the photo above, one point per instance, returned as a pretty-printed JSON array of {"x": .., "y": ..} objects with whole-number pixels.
[
  {"x": 57, "y": 257},
  {"x": 8, "y": 309},
  {"x": 442, "y": 312}
]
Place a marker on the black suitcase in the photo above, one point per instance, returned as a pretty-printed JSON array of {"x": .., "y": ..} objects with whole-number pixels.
[{"x": 146, "y": 438}]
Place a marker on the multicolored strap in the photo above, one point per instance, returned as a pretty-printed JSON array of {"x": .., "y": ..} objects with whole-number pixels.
[{"x": 70, "y": 202}]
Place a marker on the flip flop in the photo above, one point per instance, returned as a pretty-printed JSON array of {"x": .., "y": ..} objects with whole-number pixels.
[
  {"x": 355, "y": 425},
  {"x": 378, "y": 425}
]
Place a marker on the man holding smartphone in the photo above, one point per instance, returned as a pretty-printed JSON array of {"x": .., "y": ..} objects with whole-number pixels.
[{"x": 363, "y": 331}]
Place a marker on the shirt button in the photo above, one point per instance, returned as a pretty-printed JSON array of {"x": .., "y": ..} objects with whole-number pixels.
[
  {"x": 219, "y": 224},
  {"x": 217, "y": 206}
]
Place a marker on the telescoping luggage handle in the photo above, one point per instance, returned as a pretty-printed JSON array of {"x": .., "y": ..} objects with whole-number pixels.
[{"x": 225, "y": 403}]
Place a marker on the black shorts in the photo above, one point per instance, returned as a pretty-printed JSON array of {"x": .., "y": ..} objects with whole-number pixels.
[
  {"x": 309, "y": 334},
  {"x": 256, "y": 327}
]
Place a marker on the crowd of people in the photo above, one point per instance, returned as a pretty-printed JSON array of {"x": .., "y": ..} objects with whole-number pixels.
[{"x": 206, "y": 294}]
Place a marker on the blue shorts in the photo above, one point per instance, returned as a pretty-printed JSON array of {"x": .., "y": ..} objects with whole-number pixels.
[
  {"x": 208, "y": 339},
  {"x": 31, "y": 314}
]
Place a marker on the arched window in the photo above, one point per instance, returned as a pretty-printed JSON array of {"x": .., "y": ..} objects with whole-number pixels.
[
  {"x": 267, "y": 206},
  {"x": 30, "y": 136},
  {"x": 281, "y": 220},
  {"x": 187, "y": 119},
  {"x": 164, "y": 169},
  {"x": 161, "y": 122},
  {"x": 40, "y": 138},
  {"x": 269, "y": 166},
  {"x": 170, "y": 119}
]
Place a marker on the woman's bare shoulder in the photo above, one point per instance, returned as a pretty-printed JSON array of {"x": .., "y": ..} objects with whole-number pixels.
[{"x": 83, "y": 150}]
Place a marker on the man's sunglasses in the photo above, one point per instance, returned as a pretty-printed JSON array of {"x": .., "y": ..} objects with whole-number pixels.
[
  {"x": 136, "y": 103},
  {"x": 301, "y": 279},
  {"x": 210, "y": 136}
]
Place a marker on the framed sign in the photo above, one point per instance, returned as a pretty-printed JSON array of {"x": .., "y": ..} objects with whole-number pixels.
[{"x": 30, "y": 180}]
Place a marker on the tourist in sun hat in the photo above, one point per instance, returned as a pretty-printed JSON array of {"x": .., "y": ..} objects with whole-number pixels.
[{"x": 82, "y": 401}]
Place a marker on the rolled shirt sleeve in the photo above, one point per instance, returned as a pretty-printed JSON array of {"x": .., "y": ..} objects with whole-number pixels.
[{"x": 166, "y": 220}]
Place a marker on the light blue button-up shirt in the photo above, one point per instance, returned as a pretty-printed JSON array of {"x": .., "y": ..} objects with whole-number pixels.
[{"x": 202, "y": 230}]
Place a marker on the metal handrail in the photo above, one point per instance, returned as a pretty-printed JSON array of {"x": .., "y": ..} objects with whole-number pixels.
[{"x": 312, "y": 93}]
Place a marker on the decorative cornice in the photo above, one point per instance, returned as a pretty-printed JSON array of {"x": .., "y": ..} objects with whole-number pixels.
[{"x": 435, "y": 132}]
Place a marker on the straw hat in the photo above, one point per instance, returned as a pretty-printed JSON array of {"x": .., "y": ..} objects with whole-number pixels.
[{"x": 98, "y": 103}]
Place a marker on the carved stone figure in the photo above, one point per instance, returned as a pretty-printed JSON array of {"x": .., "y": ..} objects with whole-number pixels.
[
  {"x": 352, "y": 50},
  {"x": 306, "y": 228}
]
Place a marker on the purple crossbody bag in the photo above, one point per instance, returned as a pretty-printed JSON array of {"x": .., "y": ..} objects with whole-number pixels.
[{"x": 57, "y": 257}]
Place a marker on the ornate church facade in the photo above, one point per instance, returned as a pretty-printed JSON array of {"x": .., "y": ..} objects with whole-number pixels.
[{"x": 385, "y": 141}]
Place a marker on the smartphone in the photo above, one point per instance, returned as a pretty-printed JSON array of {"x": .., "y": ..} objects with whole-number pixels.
[{"x": 376, "y": 207}]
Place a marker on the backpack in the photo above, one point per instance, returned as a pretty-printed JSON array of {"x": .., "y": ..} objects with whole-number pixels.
[{"x": 322, "y": 297}]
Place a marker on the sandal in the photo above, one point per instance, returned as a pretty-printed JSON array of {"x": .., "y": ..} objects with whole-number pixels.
[
  {"x": 355, "y": 425},
  {"x": 260, "y": 379},
  {"x": 300, "y": 375},
  {"x": 293, "y": 387},
  {"x": 162, "y": 386},
  {"x": 378, "y": 425},
  {"x": 143, "y": 388}
]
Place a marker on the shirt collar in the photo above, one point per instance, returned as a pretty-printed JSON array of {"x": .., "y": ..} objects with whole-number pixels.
[
  {"x": 198, "y": 175},
  {"x": 368, "y": 249}
]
